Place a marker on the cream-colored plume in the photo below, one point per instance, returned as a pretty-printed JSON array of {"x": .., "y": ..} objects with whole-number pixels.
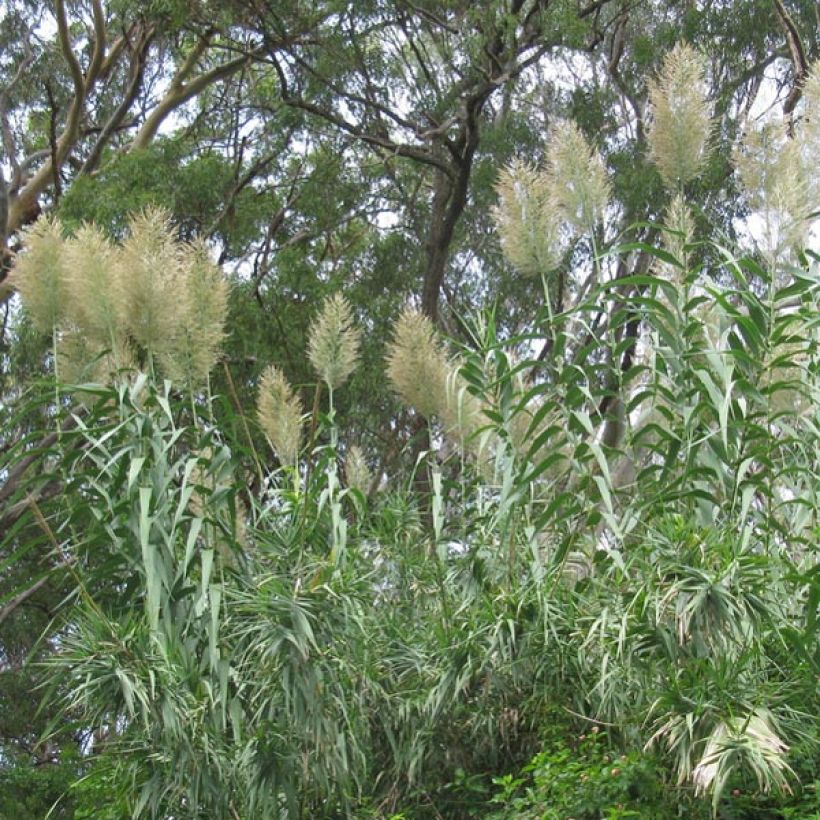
[
  {"x": 194, "y": 346},
  {"x": 40, "y": 274},
  {"x": 580, "y": 187},
  {"x": 527, "y": 220},
  {"x": 428, "y": 380},
  {"x": 681, "y": 119},
  {"x": 334, "y": 341},
  {"x": 280, "y": 415},
  {"x": 808, "y": 134},
  {"x": 417, "y": 365},
  {"x": 94, "y": 294},
  {"x": 150, "y": 280},
  {"x": 773, "y": 175},
  {"x": 358, "y": 475}
]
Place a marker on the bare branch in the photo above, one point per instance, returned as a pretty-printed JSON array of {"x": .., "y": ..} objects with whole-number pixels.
[
  {"x": 68, "y": 51},
  {"x": 180, "y": 93},
  {"x": 98, "y": 55},
  {"x": 800, "y": 65},
  {"x": 136, "y": 72}
]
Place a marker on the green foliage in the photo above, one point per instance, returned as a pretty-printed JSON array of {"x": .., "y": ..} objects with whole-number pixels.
[
  {"x": 193, "y": 188},
  {"x": 587, "y": 778}
]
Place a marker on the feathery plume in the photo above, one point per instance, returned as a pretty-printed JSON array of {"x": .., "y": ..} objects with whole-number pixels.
[
  {"x": 94, "y": 294},
  {"x": 82, "y": 361},
  {"x": 40, "y": 274},
  {"x": 527, "y": 220},
  {"x": 417, "y": 364},
  {"x": 149, "y": 278},
  {"x": 771, "y": 170},
  {"x": 682, "y": 123},
  {"x": 334, "y": 342},
  {"x": 357, "y": 472},
  {"x": 580, "y": 187},
  {"x": 428, "y": 380},
  {"x": 280, "y": 415},
  {"x": 193, "y": 348}
]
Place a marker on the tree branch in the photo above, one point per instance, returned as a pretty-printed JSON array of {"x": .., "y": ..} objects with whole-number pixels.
[
  {"x": 800, "y": 64},
  {"x": 180, "y": 93}
]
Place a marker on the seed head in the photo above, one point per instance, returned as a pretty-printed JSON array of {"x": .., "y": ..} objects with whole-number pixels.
[
  {"x": 334, "y": 342},
  {"x": 40, "y": 274},
  {"x": 150, "y": 281},
  {"x": 280, "y": 415},
  {"x": 580, "y": 187},
  {"x": 682, "y": 123},
  {"x": 808, "y": 134},
  {"x": 94, "y": 293},
  {"x": 194, "y": 345},
  {"x": 357, "y": 472},
  {"x": 417, "y": 365},
  {"x": 429, "y": 381},
  {"x": 772, "y": 173},
  {"x": 527, "y": 220}
]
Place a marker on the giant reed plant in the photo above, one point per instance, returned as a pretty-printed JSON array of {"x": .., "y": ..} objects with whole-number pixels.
[{"x": 624, "y": 527}]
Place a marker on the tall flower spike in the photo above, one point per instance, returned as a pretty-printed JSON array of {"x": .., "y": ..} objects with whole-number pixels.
[
  {"x": 280, "y": 415},
  {"x": 682, "y": 123},
  {"x": 94, "y": 293},
  {"x": 334, "y": 342},
  {"x": 580, "y": 186},
  {"x": 357, "y": 472},
  {"x": 527, "y": 220},
  {"x": 195, "y": 343},
  {"x": 150, "y": 281},
  {"x": 772, "y": 173},
  {"x": 40, "y": 274},
  {"x": 417, "y": 364}
]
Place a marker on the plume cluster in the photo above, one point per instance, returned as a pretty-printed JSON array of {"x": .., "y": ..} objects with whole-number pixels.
[
  {"x": 280, "y": 412},
  {"x": 808, "y": 132},
  {"x": 538, "y": 208},
  {"x": 39, "y": 275},
  {"x": 428, "y": 380},
  {"x": 771, "y": 171},
  {"x": 779, "y": 175},
  {"x": 681, "y": 120},
  {"x": 334, "y": 342},
  {"x": 111, "y": 306},
  {"x": 526, "y": 220}
]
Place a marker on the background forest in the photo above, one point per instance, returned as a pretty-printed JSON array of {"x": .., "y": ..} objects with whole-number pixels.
[{"x": 409, "y": 409}]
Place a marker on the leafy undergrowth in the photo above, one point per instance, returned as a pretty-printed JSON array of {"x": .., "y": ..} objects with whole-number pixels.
[{"x": 587, "y": 777}]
